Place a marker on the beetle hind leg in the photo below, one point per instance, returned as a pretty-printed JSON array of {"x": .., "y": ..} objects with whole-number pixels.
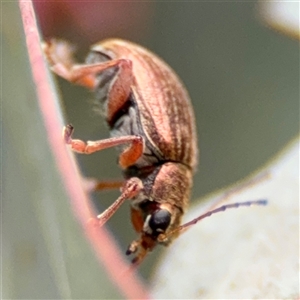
[
  {"x": 60, "y": 57},
  {"x": 59, "y": 54}
]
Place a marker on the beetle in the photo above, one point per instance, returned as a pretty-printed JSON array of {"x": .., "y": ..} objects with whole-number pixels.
[{"x": 151, "y": 121}]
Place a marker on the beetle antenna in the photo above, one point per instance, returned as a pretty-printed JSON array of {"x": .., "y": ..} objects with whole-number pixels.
[{"x": 214, "y": 211}]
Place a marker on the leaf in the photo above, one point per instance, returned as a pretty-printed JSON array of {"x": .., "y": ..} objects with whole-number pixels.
[{"x": 46, "y": 254}]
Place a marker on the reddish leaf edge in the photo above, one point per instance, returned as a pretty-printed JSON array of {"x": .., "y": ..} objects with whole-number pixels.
[{"x": 127, "y": 282}]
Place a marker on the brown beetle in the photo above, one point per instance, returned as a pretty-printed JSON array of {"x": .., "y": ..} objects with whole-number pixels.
[{"x": 151, "y": 120}]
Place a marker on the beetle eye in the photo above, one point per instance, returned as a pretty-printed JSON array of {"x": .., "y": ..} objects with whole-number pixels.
[{"x": 160, "y": 220}]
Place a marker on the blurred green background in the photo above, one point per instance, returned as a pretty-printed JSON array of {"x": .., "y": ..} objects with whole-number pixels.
[{"x": 243, "y": 79}]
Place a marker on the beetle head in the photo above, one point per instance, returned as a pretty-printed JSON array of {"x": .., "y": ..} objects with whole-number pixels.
[{"x": 158, "y": 210}]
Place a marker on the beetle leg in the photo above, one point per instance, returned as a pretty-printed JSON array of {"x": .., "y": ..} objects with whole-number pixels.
[
  {"x": 59, "y": 51},
  {"x": 127, "y": 158},
  {"x": 86, "y": 74},
  {"x": 137, "y": 260},
  {"x": 91, "y": 184},
  {"x": 108, "y": 185},
  {"x": 60, "y": 56},
  {"x": 130, "y": 189}
]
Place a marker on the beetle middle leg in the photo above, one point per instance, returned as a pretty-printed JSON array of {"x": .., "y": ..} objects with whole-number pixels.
[{"x": 127, "y": 158}]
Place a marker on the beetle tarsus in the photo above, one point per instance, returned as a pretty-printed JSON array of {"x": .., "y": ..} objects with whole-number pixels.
[
  {"x": 67, "y": 133},
  {"x": 132, "y": 248}
]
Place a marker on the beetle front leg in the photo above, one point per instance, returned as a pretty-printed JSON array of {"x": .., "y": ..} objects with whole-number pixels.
[
  {"x": 131, "y": 188},
  {"x": 127, "y": 158},
  {"x": 94, "y": 185}
]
